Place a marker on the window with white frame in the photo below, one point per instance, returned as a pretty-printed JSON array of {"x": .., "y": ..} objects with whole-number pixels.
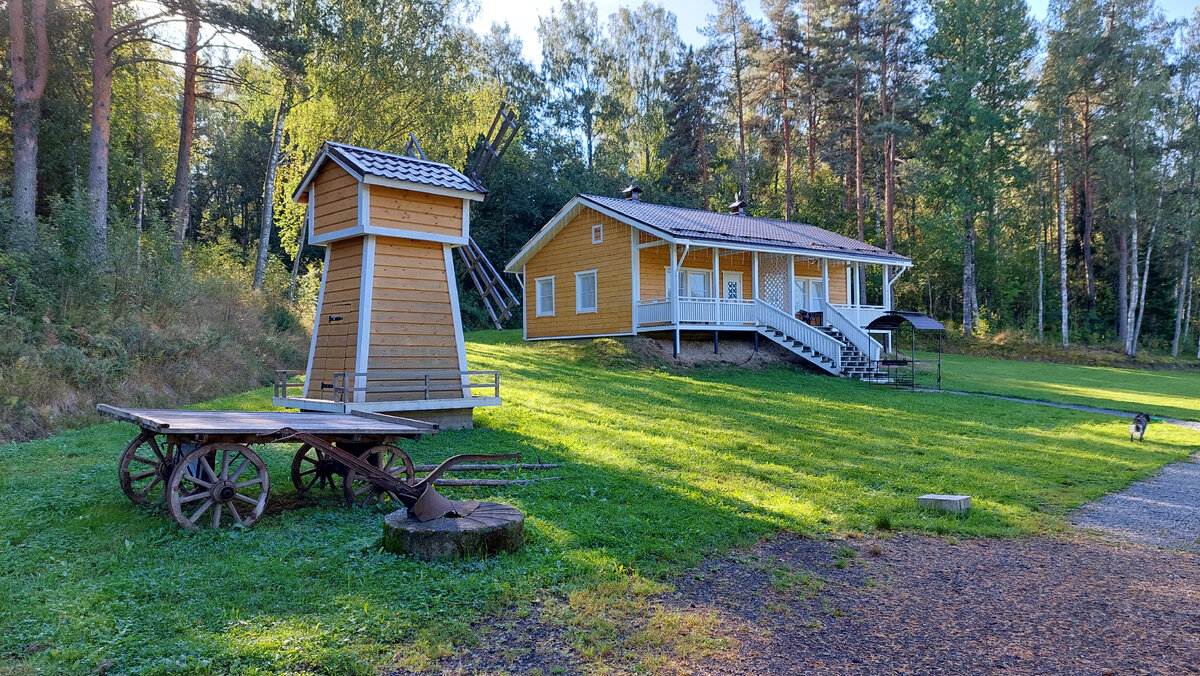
[
  {"x": 597, "y": 233},
  {"x": 585, "y": 291},
  {"x": 544, "y": 293},
  {"x": 693, "y": 283}
]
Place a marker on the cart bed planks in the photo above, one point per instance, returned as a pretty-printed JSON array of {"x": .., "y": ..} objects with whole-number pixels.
[{"x": 251, "y": 424}]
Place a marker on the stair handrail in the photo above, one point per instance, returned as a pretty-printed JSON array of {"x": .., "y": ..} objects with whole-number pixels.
[
  {"x": 819, "y": 341},
  {"x": 853, "y": 332}
]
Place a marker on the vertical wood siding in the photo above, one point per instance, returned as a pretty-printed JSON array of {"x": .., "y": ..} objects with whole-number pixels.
[
  {"x": 336, "y": 199},
  {"x": 654, "y": 262},
  {"x": 418, "y": 211},
  {"x": 337, "y": 340},
  {"x": 571, "y": 251},
  {"x": 412, "y": 328}
]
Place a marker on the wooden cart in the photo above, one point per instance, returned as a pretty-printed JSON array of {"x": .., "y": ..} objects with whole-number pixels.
[{"x": 201, "y": 465}]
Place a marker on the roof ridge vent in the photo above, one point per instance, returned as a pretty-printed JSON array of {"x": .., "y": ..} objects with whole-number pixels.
[
  {"x": 633, "y": 193},
  {"x": 738, "y": 207}
]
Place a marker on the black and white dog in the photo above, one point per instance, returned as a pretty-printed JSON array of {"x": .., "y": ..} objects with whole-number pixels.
[{"x": 1137, "y": 430}]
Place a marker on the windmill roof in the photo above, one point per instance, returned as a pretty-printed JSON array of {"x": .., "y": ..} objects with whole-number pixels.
[{"x": 364, "y": 162}]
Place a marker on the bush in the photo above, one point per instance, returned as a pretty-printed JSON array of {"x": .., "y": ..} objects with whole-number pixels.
[{"x": 140, "y": 329}]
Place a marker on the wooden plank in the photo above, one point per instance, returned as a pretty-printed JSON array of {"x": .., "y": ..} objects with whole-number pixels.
[{"x": 261, "y": 423}]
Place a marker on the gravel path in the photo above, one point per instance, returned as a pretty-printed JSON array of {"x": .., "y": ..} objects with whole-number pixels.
[
  {"x": 906, "y": 604},
  {"x": 1163, "y": 510}
]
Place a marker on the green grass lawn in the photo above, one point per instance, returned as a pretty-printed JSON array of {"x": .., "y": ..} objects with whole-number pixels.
[
  {"x": 662, "y": 468},
  {"x": 1174, "y": 394}
]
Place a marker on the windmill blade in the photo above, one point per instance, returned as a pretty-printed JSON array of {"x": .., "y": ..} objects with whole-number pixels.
[
  {"x": 492, "y": 147},
  {"x": 499, "y": 300},
  {"x": 413, "y": 147}
]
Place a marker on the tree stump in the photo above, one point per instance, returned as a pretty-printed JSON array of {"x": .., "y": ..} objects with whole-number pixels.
[{"x": 492, "y": 528}]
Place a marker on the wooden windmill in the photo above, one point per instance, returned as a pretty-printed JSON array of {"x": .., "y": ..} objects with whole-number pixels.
[{"x": 388, "y": 333}]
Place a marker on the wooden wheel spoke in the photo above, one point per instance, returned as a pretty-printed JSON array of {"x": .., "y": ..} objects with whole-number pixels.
[
  {"x": 237, "y": 517},
  {"x": 147, "y": 461},
  {"x": 310, "y": 482},
  {"x": 216, "y": 521},
  {"x": 200, "y": 511},
  {"x": 143, "y": 475},
  {"x": 307, "y": 472},
  {"x": 208, "y": 468},
  {"x": 197, "y": 480},
  {"x": 247, "y": 499},
  {"x": 225, "y": 464},
  {"x": 250, "y": 482},
  {"x": 194, "y": 497},
  {"x": 238, "y": 472},
  {"x": 157, "y": 451},
  {"x": 146, "y": 491}
]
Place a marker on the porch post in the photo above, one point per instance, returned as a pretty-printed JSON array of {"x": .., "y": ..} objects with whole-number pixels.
[
  {"x": 635, "y": 269},
  {"x": 718, "y": 292},
  {"x": 825, "y": 281},
  {"x": 887, "y": 287},
  {"x": 754, "y": 276},
  {"x": 673, "y": 290},
  {"x": 789, "y": 302}
]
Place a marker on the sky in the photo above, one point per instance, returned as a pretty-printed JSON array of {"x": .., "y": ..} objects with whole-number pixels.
[{"x": 522, "y": 16}]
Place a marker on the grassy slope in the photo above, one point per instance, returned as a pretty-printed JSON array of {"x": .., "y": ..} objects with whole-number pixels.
[
  {"x": 1161, "y": 393},
  {"x": 663, "y": 468}
]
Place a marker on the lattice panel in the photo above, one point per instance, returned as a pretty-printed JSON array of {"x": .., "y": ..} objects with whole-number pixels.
[{"x": 773, "y": 279}]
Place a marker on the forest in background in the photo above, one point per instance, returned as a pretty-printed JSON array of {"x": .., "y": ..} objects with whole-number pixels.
[{"x": 1040, "y": 174}]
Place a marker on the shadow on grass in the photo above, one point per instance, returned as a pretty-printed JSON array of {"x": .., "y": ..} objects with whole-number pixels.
[{"x": 661, "y": 469}]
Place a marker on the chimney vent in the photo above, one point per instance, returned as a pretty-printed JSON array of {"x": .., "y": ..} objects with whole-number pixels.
[
  {"x": 738, "y": 208},
  {"x": 633, "y": 193}
]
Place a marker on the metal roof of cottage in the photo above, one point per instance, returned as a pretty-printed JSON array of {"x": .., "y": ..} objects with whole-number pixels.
[
  {"x": 718, "y": 227},
  {"x": 711, "y": 228}
]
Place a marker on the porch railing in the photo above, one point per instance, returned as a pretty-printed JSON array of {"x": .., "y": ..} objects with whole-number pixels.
[
  {"x": 819, "y": 341},
  {"x": 833, "y": 316},
  {"x": 712, "y": 311},
  {"x": 860, "y": 315}
]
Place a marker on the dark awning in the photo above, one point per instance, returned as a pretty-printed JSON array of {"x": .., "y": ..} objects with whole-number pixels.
[{"x": 893, "y": 319}]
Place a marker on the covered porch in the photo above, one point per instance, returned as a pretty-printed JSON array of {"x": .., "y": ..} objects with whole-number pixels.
[{"x": 698, "y": 287}]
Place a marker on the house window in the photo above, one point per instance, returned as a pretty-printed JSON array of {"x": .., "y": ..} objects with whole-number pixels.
[
  {"x": 585, "y": 291},
  {"x": 544, "y": 292},
  {"x": 693, "y": 283},
  {"x": 597, "y": 234}
]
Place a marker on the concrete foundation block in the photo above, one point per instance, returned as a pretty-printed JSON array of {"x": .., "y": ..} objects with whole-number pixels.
[{"x": 955, "y": 504}]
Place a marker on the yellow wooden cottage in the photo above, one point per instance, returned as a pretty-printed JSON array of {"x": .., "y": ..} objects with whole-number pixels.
[
  {"x": 388, "y": 334},
  {"x": 607, "y": 266}
]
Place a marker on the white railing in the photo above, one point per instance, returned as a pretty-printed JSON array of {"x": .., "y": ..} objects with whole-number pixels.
[
  {"x": 832, "y": 316},
  {"x": 710, "y": 311},
  {"x": 860, "y": 315},
  {"x": 819, "y": 341},
  {"x": 654, "y": 311}
]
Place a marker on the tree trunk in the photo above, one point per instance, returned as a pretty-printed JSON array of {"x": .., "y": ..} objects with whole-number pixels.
[
  {"x": 180, "y": 204},
  {"x": 1185, "y": 278},
  {"x": 741, "y": 116},
  {"x": 1088, "y": 207},
  {"x": 1062, "y": 244},
  {"x": 787, "y": 147},
  {"x": 859, "y": 201},
  {"x": 1131, "y": 305},
  {"x": 970, "y": 297},
  {"x": 889, "y": 149},
  {"x": 97, "y": 183},
  {"x": 27, "y": 103},
  {"x": 1041, "y": 258},
  {"x": 296, "y": 260},
  {"x": 1137, "y": 327},
  {"x": 268, "y": 214},
  {"x": 1122, "y": 285}
]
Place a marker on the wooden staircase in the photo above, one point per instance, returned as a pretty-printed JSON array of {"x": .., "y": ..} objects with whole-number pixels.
[{"x": 822, "y": 346}]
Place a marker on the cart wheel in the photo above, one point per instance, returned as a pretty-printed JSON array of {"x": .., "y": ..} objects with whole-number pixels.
[
  {"x": 146, "y": 464},
  {"x": 212, "y": 482},
  {"x": 313, "y": 467},
  {"x": 360, "y": 493}
]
